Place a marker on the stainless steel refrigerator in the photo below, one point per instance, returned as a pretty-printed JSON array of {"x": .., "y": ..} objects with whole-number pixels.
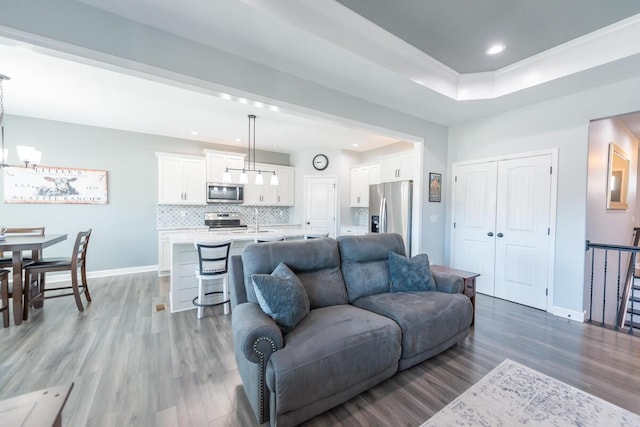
[{"x": 390, "y": 209}]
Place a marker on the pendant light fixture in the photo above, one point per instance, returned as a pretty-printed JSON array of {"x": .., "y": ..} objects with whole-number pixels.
[
  {"x": 27, "y": 155},
  {"x": 250, "y": 165}
]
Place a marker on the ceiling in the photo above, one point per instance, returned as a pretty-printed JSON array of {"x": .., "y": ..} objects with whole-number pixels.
[{"x": 422, "y": 58}]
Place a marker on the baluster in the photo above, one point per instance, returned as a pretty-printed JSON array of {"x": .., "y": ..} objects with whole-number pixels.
[
  {"x": 604, "y": 287},
  {"x": 618, "y": 293},
  {"x": 593, "y": 251}
]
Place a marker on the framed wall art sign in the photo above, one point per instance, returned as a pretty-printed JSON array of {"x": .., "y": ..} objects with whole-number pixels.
[
  {"x": 435, "y": 187},
  {"x": 49, "y": 184}
]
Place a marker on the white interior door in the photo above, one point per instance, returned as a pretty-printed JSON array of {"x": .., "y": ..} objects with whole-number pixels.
[
  {"x": 474, "y": 217},
  {"x": 320, "y": 204},
  {"x": 522, "y": 230}
]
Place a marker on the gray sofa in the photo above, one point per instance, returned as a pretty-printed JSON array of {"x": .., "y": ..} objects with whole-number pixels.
[{"x": 356, "y": 335}]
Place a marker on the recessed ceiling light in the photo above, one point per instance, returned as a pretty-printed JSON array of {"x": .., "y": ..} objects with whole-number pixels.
[
  {"x": 495, "y": 49},
  {"x": 356, "y": 144},
  {"x": 194, "y": 132},
  {"x": 258, "y": 104},
  {"x": 238, "y": 140},
  {"x": 226, "y": 96},
  {"x": 243, "y": 101},
  {"x": 274, "y": 108}
]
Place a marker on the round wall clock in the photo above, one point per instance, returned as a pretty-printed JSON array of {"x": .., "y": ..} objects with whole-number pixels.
[{"x": 320, "y": 162}]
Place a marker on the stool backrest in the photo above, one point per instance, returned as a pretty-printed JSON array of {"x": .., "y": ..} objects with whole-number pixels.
[
  {"x": 316, "y": 235},
  {"x": 272, "y": 238},
  {"x": 213, "y": 257}
]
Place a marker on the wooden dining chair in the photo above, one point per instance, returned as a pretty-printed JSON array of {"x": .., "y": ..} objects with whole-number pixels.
[
  {"x": 24, "y": 231},
  {"x": 4, "y": 296},
  {"x": 77, "y": 262}
]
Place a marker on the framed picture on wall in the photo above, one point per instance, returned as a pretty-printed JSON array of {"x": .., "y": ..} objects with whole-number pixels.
[
  {"x": 435, "y": 187},
  {"x": 48, "y": 184}
]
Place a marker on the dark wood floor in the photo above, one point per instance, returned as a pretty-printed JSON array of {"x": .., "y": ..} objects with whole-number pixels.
[{"x": 133, "y": 366}]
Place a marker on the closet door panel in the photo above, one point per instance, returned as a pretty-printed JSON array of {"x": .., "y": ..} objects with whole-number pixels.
[
  {"x": 522, "y": 227},
  {"x": 474, "y": 213}
]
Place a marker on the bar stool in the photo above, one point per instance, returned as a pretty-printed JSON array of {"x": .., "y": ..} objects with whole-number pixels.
[
  {"x": 213, "y": 261},
  {"x": 313, "y": 235},
  {"x": 269, "y": 238},
  {"x": 4, "y": 296}
]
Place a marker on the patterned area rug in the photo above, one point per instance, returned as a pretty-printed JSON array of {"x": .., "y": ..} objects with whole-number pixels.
[{"x": 514, "y": 395}]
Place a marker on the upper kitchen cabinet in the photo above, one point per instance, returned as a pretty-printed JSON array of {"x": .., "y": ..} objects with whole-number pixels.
[
  {"x": 396, "y": 168},
  {"x": 267, "y": 194},
  {"x": 359, "y": 195},
  {"x": 218, "y": 162},
  {"x": 181, "y": 179}
]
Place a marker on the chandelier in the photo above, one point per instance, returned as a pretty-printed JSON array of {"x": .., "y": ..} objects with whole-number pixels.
[
  {"x": 250, "y": 164},
  {"x": 27, "y": 155}
]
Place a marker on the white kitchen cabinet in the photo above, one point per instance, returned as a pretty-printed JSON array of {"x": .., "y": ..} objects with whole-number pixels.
[
  {"x": 374, "y": 174},
  {"x": 346, "y": 230},
  {"x": 181, "y": 179},
  {"x": 286, "y": 188},
  {"x": 217, "y": 163},
  {"x": 164, "y": 247},
  {"x": 267, "y": 194},
  {"x": 359, "y": 196},
  {"x": 396, "y": 168}
]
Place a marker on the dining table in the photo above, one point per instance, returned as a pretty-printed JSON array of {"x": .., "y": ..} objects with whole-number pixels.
[{"x": 16, "y": 245}]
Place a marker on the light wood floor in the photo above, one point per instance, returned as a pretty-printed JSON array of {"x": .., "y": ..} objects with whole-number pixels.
[{"x": 136, "y": 367}]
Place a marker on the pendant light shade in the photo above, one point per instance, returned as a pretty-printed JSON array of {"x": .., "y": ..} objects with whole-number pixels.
[{"x": 250, "y": 165}]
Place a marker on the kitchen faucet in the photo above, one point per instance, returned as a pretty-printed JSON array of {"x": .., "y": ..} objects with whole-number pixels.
[{"x": 255, "y": 211}]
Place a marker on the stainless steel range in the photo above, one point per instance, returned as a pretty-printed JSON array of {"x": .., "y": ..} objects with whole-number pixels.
[{"x": 222, "y": 221}]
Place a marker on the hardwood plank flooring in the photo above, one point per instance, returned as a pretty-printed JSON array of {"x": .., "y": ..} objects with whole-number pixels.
[{"x": 133, "y": 366}]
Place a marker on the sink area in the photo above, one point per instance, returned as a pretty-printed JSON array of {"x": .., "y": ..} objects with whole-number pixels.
[{"x": 252, "y": 231}]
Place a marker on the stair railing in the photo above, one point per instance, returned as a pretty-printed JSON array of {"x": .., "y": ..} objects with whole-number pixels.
[{"x": 623, "y": 286}]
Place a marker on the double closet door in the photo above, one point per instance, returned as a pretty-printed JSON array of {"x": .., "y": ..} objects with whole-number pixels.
[{"x": 501, "y": 227}]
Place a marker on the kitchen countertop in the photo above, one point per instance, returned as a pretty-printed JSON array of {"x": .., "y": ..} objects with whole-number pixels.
[{"x": 236, "y": 235}]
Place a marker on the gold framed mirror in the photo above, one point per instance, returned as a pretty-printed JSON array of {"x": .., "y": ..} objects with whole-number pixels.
[{"x": 617, "y": 178}]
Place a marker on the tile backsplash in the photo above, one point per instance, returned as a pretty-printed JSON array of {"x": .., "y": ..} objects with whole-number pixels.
[
  {"x": 181, "y": 216},
  {"x": 360, "y": 216}
]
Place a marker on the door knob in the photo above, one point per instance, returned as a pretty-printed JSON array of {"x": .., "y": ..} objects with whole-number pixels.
[
  {"x": 500, "y": 235},
  {"x": 490, "y": 234}
]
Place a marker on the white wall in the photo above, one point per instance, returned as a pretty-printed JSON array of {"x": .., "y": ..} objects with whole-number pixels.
[{"x": 562, "y": 123}]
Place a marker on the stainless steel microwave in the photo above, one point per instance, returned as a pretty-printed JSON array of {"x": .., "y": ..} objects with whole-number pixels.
[{"x": 225, "y": 193}]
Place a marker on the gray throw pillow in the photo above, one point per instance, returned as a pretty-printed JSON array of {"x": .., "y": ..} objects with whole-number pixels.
[
  {"x": 410, "y": 274},
  {"x": 282, "y": 297}
]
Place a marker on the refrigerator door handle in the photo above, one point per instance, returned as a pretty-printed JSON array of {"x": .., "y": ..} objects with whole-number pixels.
[{"x": 383, "y": 215}]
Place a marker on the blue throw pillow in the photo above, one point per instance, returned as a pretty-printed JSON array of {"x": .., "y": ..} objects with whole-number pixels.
[
  {"x": 410, "y": 274},
  {"x": 282, "y": 297}
]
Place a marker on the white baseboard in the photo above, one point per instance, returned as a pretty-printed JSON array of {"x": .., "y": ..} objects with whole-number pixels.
[
  {"x": 66, "y": 276},
  {"x": 577, "y": 316}
]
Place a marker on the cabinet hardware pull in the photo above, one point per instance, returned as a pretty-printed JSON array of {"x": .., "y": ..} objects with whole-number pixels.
[
  {"x": 490, "y": 234},
  {"x": 500, "y": 235}
]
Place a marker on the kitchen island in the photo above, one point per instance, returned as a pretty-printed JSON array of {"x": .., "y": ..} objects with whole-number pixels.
[{"x": 184, "y": 258}]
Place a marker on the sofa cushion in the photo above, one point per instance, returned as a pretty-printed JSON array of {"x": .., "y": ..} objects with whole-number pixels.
[
  {"x": 331, "y": 350},
  {"x": 410, "y": 274},
  {"x": 282, "y": 297},
  {"x": 316, "y": 262},
  {"x": 365, "y": 262},
  {"x": 427, "y": 319}
]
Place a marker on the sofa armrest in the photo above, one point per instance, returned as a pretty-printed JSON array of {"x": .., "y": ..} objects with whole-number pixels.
[
  {"x": 255, "y": 333},
  {"x": 447, "y": 282}
]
